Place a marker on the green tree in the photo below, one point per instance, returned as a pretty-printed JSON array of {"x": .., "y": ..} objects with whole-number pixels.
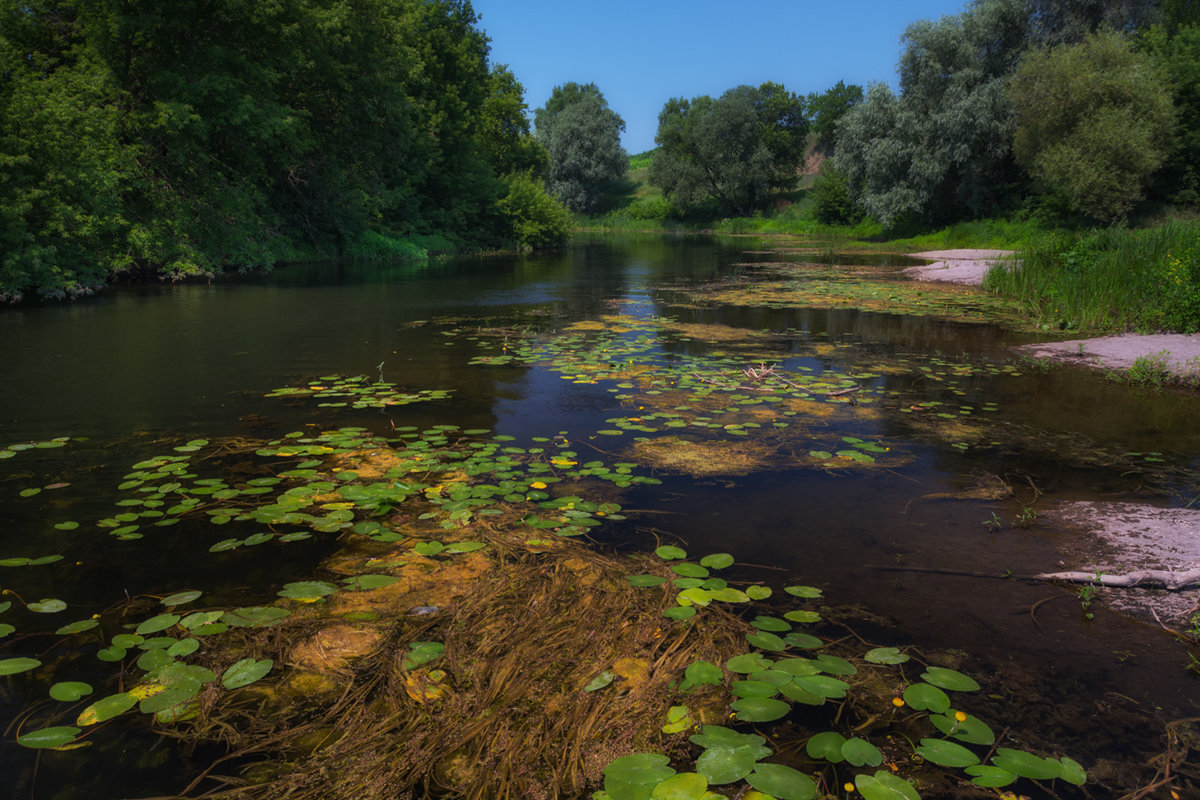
[
  {"x": 1094, "y": 121},
  {"x": 1176, "y": 52},
  {"x": 828, "y": 108},
  {"x": 504, "y": 131},
  {"x": 583, "y": 138},
  {"x": 734, "y": 149},
  {"x": 940, "y": 149},
  {"x": 1054, "y": 22}
]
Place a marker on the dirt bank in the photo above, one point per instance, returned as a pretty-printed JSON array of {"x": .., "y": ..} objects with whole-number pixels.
[
  {"x": 1180, "y": 353},
  {"x": 966, "y": 266}
]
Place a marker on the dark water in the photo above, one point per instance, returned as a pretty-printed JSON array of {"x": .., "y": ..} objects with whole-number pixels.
[{"x": 136, "y": 370}]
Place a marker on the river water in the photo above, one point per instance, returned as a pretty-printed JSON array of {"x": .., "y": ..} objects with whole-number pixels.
[{"x": 136, "y": 370}]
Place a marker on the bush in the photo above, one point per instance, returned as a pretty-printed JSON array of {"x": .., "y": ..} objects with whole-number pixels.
[
  {"x": 537, "y": 218},
  {"x": 831, "y": 195}
]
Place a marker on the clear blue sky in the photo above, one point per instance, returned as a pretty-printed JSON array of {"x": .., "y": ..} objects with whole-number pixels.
[{"x": 641, "y": 54}]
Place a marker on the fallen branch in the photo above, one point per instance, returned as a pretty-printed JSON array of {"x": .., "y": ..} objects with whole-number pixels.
[{"x": 1142, "y": 578}]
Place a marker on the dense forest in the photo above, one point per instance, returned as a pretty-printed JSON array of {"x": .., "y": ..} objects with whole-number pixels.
[{"x": 191, "y": 137}]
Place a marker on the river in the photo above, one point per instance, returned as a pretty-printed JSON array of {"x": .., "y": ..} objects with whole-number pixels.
[{"x": 135, "y": 371}]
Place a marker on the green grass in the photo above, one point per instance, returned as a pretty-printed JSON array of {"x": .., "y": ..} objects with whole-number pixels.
[{"x": 1112, "y": 279}]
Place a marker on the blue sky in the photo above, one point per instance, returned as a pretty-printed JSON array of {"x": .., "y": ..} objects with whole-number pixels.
[{"x": 641, "y": 54}]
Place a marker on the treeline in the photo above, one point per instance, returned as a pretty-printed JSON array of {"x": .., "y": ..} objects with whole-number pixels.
[
  {"x": 1055, "y": 110},
  {"x": 203, "y": 135}
]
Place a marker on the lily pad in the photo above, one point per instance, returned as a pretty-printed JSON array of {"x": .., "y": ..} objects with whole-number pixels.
[
  {"x": 947, "y": 754},
  {"x": 885, "y": 786},
  {"x": 782, "y": 782},
  {"x": 245, "y": 672},
  {"x": 56, "y": 736},
  {"x": 70, "y": 691},
  {"x": 13, "y": 666},
  {"x": 950, "y": 679},
  {"x": 760, "y": 709},
  {"x": 727, "y": 764}
]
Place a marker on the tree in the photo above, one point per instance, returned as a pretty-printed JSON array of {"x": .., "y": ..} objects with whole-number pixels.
[
  {"x": 828, "y": 108},
  {"x": 1176, "y": 52},
  {"x": 1094, "y": 121},
  {"x": 942, "y": 148},
  {"x": 504, "y": 131},
  {"x": 1055, "y": 22},
  {"x": 582, "y": 136},
  {"x": 734, "y": 149}
]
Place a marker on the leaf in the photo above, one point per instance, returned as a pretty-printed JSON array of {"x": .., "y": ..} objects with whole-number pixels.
[
  {"x": 465, "y": 547},
  {"x": 1027, "y": 765},
  {"x": 946, "y": 754},
  {"x": 307, "y": 590},
  {"x": 885, "y": 655},
  {"x": 885, "y": 786},
  {"x": 600, "y": 681},
  {"x": 70, "y": 691},
  {"x": 669, "y": 552},
  {"x": 639, "y": 768},
  {"x": 1072, "y": 771},
  {"x": 13, "y": 666},
  {"x": 103, "y": 710},
  {"x": 773, "y": 624},
  {"x": 826, "y": 745},
  {"x": 680, "y": 613},
  {"x": 365, "y": 582},
  {"x": 716, "y": 736},
  {"x": 702, "y": 673},
  {"x": 747, "y": 663},
  {"x": 48, "y": 737},
  {"x": 727, "y": 764},
  {"x": 802, "y": 616},
  {"x": 422, "y": 653},
  {"x": 179, "y": 598},
  {"x": 645, "y": 581},
  {"x": 822, "y": 685},
  {"x": 861, "y": 753},
  {"x": 689, "y": 570},
  {"x": 157, "y": 623},
  {"x": 923, "y": 697},
  {"x": 803, "y": 591},
  {"x": 760, "y": 709},
  {"x": 728, "y": 594},
  {"x": 717, "y": 561},
  {"x": 681, "y": 786},
  {"x": 949, "y": 679},
  {"x": 245, "y": 672},
  {"x": 971, "y": 730},
  {"x": 990, "y": 777},
  {"x": 766, "y": 641},
  {"x": 757, "y": 592},
  {"x": 782, "y": 782},
  {"x": 47, "y": 605},
  {"x": 77, "y": 627}
]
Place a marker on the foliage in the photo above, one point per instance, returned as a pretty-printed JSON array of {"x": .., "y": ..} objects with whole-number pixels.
[
  {"x": 734, "y": 149},
  {"x": 940, "y": 149},
  {"x": 834, "y": 205},
  {"x": 1176, "y": 52},
  {"x": 828, "y": 108},
  {"x": 583, "y": 138},
  {"x": 1094, "y": 121},
  {"x": 1113, "y": 279},
  {"x": 234, "y": 134},
  {"x": 536, "y": 217},
  {"x": 1055, "y": 22}
]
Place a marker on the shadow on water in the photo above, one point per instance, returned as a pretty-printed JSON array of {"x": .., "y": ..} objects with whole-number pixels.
[{"x": 141, "y": 369}]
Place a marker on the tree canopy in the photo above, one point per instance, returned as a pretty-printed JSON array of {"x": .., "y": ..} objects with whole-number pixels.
[
  {"x": 191, "y": 137},
  {"x": 1094, "y": 121},
  {"x": 734, "y": 149},
  {"x": 582, "y": 136}
]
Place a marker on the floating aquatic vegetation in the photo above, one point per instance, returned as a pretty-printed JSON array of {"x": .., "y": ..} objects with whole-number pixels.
[
  {"x": 336, "y": 391},
  {"x": 9, "y": 451}
]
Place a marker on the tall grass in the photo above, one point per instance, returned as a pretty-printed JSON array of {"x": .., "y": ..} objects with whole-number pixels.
[{"x": 1114, "y": 279}]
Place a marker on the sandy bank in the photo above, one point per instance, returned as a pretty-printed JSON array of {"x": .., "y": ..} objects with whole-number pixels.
[{"x": 956, "y": 266}]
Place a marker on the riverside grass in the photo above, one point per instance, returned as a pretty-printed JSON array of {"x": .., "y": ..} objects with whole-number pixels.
[{"x": 1115, "y": 279}]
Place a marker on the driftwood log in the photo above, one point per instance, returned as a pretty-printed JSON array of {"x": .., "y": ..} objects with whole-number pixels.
[{"x": 1140, "y": 579}]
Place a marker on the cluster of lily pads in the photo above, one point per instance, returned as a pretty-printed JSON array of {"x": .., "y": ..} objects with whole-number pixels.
[
  {"x": 9, "y": 451},
  {"x": 785, "y": 668}
]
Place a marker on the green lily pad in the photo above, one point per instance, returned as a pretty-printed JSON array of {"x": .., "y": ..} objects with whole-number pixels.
[
  {"x": 639, "y": 768},
  {"x": 681, "y": 786},
  {"x": 950, "y": 679},
  {"x": 947, "y": 754},
  {"x": 1027, "y": 765},
  {"x": 645, "y": 581},
  {"x": 826, "y": 745},
  {"x": 990, "y": 777},
  {"x": 669, "y": 552},
  {"x": 721, "y": 765},
  {"x": 971, "y": 730},
  {"x": 179, "y": 598},
  {"x": 13, "y": 666},
  {"x": 923, "y": 697},
  {"x": 157, "y": 623},
  {"x": 760, "y": 709},
  {"x": 56, "y": 736},
  {"x": 600, "y": 681},
  {"x": 78, "y": 627},
  {"x": 422, "y": 653},
  {"x": 717, "y": 561},
  {"x": 70, "y": 691},
  {"x": 47, "y": 605},
  {"x": 885, "y": 655},
  {"x": 782, "y": 782},
  {"x": 103, "y": 710},
  {"x": 245, "y": 672},
  {"x": 861, "y": 753},
  {"x": 885, "y": 786},
  {"x": 306, "y": 590}
]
